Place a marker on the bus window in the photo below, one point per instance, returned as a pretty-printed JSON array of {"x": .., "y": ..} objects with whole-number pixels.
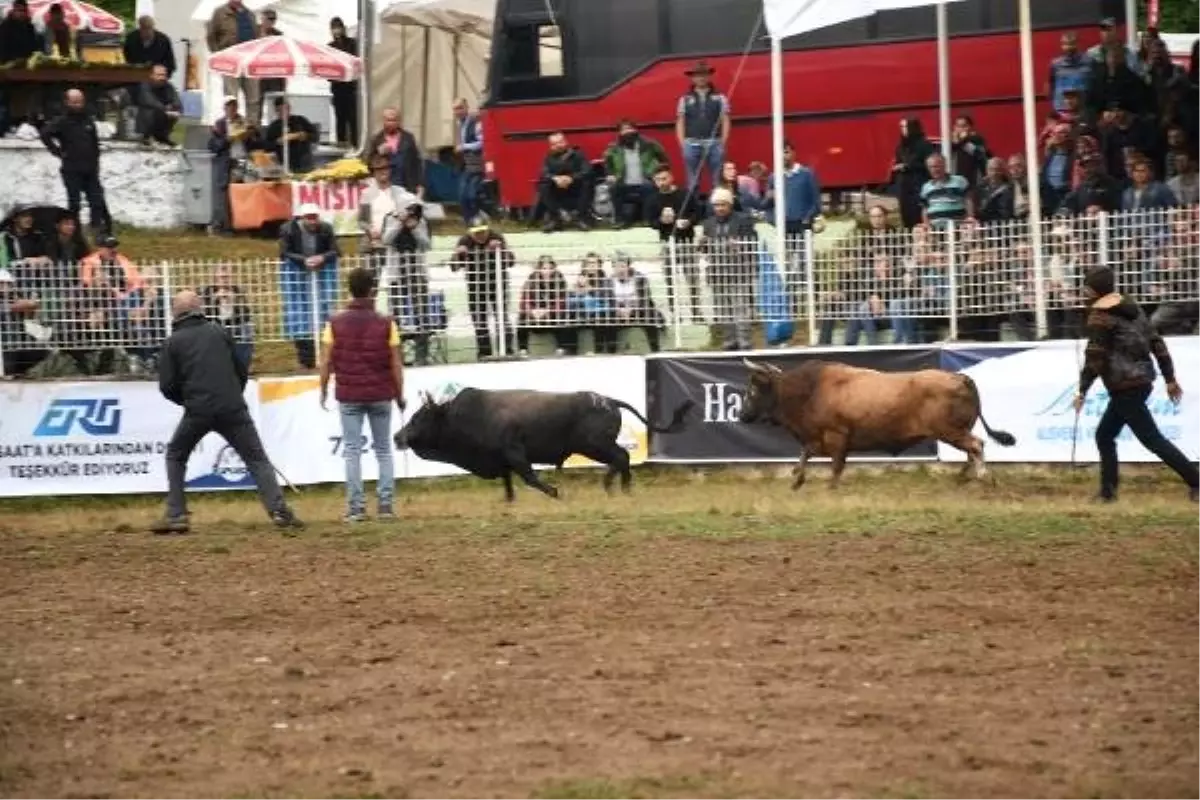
[
  {"x": 550, "y": 54},
  {"x": 531, "y": 62}
]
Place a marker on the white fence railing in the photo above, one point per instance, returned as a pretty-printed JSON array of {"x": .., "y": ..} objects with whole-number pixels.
[{"x": 960, "y": 281}]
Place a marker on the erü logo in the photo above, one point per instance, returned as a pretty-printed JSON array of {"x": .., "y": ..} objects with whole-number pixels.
[{"x": 94, "y": 416}]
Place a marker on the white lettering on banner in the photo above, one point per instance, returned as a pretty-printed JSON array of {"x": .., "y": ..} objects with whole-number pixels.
[
  {"x": 721, "y": 404},
  {"x": 96, "y": 438},
  {"x": 1029, "y": 394},
  {"x": 308, "y": 442},
  {"x": 338, "y": 200}
]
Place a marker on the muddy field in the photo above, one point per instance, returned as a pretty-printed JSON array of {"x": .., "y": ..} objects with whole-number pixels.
[{"x": 707, "y": 636}]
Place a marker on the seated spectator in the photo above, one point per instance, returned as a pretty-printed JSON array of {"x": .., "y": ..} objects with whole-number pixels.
[
  {"x": 590, "y": 303},
  {"x": 21, "y": 240},
  {"x": 1146, "y": 193},
  {"x": 119, "y": 270},
  {"x": 159, "y": 107},
  {"x": 60, "y": 39},
  {"x": 728, "y": 180},
  {"x": 93, "y": 332},
  {"x": 968, "y": 151},
  {"x": 1175, "y": 282},
  {"x": 1019, "y": 177},
  {"x": 945, "y": 198},
  {"x": 309, "y": 253},
  {"x": 20, "y": 350},
  {"x": 564, "y": 187},
  {"x": 979, "y": 276},
  {"x": 1120, "y": 132},
  {"x": 751, "y": 191},
  {"x": 1071, "y": 114},
  {"x": 66, "y": 247},
  {"x": 1097, "y": 190},
  {"x": 1063, "y": 285},
  {"x": 676, "y": 213},
  {"x": 542, "y": 307},
  {"x": 300, "y": 139},
  {"x": 856, "y": 298},
  {"x": 633, "y": 307},
  {"x": 145, "y": 312},
  {"x": 1177, "y": 142},
  {"x": 904, "y": 294},
  {"x": 226, "y": 304},
  {"x": 995, "y": 193},
  {"x": 1184, "y": 185},
  {"x": 802, "y": 194},
  {"x": 629, "y": 164},
  {"x": 19, "y": 39}
]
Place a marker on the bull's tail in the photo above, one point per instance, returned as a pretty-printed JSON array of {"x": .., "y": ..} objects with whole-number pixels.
[
  {"x": 1003, "y": 438},
  {"x": 676, "y": 423}
]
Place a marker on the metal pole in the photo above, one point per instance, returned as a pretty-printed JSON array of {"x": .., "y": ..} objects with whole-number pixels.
[
  {"x": 675, "y": 281},
  {"x": 1131, "y": 24},
  {"x": 501, "y": 306},
  {"x": 943, "y": 58},
  {"x": 1102, "y": 235},
  {"x": 1029, "y": 102},
  {"x": 952, "y": 275},
  {"x": 168, "y": 322},
  {"x": 777, "y": 150},
  {"x": 810, "y": 289},
  {"x": 315, "y": 288}
]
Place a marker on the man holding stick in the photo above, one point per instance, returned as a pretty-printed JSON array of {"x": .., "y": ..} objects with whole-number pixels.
[
  {"x": 198, "y": 369},
  {"x": 362, "y": 347}
]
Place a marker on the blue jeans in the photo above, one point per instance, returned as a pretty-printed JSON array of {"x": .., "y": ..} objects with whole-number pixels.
[
  {"x": 904, "y": 324},
  {"x": 468, "y": 193},
  {"x": 861, "y": 321},
  {"x": 698, "y": 153},
  {"x": 379, "y": 417}
]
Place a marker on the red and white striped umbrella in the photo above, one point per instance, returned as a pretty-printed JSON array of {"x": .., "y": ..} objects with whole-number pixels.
[
  {"x": 285, "y": 57},
  {"x": 78, "y": 14}
]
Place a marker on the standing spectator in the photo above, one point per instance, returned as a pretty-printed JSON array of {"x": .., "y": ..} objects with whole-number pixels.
[
  {"x": 1122, "y": 132},
  {"x": 19, "y": 39},
  {"x": 1110, "y": 39},
  {"x": 1113, "y": 84},
  {"x": 74, "y": 140},
  {"x": 995, "y": 194},
  {"x": 946, "y": 198},
  {"x": 909, "y": 170},
  {"x": 563, "y": 187},
  {"x": 750, "y": 187},
  {"x": 676, "y": 214},
  {"x": 1162, "y": 77},
  {"x": 226, "y": 304},
  {"x": 270, "y": 86},
  {"x": 1177, "y": 142},
  {"x": 731, "y": 245},
  {"x": 1057, "y": 167},
  {"x": 629, "y": 165},
  {"x": 468, "y": 144},
  {"x": 968, "y": 151},
  {"x": 1097, "y": 190},
  {"x": 60, "y": 38},
  {"x": 633, "y": 306},
  {"x": 542, "y": 307},
  {"x": 344, "y": 93},
  {"x": 379, "y": 213},
  {"x": 198, "y": 370},
  {"x": 1071, "y": 69},
  {"x": 801, "y": 192},
  {"x": 477, "y": 252},
  {"x": 1145, "y": 193},
  {"x": 147, "y": 46},
  {"x": 159, "y": 107},
  {"x": 362, "y": 348},
  {"x": 300, "y": 139},
  {"x": 702, "y": 125},
  {"x": 729, "y": 180},
  {"x": 1184, "y": 185},
  {"x": 400, "y": 148},
  {"x": 228, "y": 140},
  {"x": 309, "y": 252},
  {"x": 407, "y": 276},
  {"x": 232, "y": 23}
]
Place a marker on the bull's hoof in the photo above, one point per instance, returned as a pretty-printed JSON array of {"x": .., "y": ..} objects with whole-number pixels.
[
  {"x": 796, "y": 484},
  {"x": 553, "y": 492},
  {"x": 626, "y": 488}
]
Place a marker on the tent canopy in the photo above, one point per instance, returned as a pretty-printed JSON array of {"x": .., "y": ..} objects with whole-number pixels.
[{"x": 452, "y": 16}]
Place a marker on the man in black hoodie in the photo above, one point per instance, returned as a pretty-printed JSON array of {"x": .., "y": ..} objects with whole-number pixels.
[
  {"x": 564, "y": 189},
  {"x": 1121, "y": 341},
  {"x": 147, "y": 47},
  {"x": 74, "y": 140},
  {"x": 18, "y": 38},
  {"x": 198, "y": 369}
]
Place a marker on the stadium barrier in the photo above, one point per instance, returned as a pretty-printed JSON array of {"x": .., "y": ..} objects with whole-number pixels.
[
  {"x": 94, "y": 438},
  {"x": 960, "y": 281}
]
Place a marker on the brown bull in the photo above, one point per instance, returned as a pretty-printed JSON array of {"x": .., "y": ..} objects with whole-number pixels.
[{"x": 834, "y": 409}]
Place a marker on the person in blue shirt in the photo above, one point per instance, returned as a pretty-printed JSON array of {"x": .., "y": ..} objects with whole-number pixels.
[
  {"x": 802, "y": 194},
  {"x": 945, "y": 198}
]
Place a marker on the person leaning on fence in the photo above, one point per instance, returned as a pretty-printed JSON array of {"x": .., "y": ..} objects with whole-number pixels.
[
  {"x": 309, "y": 252},
  {"x": 198, "y": 370},
  {"x": 361, "y": 347},
  {"x": 731, "y": 245},
  {"x": 633, "y": 305},
  {"x": 542, "y": 308},
  {"x": 676, "y": 214},
  {"x": 1120, "y": 344},
  {"x": 484, "y": 254}
]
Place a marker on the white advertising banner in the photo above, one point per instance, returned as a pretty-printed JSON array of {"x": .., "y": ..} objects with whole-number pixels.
[
  {"x": 1028, "y": 393},
  {"x": 306, "y": 441},
  {"x": 338, "y": 200},
  {"x": 101, "y": 438}
]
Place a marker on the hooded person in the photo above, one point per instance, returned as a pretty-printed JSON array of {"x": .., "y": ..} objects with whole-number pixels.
[{"x": 1122, "y": 347}]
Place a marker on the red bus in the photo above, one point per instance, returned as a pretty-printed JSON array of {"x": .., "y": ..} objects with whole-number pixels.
[{"x": 846, "y": 87}]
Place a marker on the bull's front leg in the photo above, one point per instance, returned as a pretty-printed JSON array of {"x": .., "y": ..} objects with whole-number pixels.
[
  {"x": 800, "y": 472},
  {"x": 509, "y": 494},
  {"x": 518, "y": 462},
  {"x": 836, "y": 444}
]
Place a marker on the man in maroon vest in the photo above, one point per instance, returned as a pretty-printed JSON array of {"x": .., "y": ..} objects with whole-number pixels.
[{"x": 362, "y": 347}]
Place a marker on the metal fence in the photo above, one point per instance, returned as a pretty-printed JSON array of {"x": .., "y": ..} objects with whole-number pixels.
[{"x": 958, "y": 281}]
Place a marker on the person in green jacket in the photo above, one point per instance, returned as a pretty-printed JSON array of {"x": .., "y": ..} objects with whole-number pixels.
[{"x": 629, "y": 165}]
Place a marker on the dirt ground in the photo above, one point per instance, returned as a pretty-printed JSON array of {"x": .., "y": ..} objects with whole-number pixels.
[{"x": 707, "y": 636}]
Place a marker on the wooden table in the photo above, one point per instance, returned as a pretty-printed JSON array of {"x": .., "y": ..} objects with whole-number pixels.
[{"x": 103, "y": 75}]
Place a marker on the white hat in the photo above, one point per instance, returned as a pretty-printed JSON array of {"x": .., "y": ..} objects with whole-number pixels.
[
  {"x": 230, "y": 98},
  {"x": 721, "y": 195},
  {"x": 6, "y": 277},
  {"x": 309, "y": 210}
]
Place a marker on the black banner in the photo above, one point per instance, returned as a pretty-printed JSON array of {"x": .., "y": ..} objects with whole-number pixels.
[{"x": 716, "y": 383}]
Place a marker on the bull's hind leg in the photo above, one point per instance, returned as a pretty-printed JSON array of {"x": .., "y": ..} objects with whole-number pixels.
[
  {"x": 973, "y": 447},
  {"x": 509, "y": 494},
  {"x": 617, "y": 459},
  {"x": 800, "y": 473}
]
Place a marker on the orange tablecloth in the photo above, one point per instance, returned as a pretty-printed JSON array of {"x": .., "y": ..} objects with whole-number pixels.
[{"x": 252, "y": 205}]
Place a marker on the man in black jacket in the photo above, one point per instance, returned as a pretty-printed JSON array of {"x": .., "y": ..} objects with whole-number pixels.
[
  {"x": 147, "y": 47},
  {"x": 563, "y": 188},
  {"x": 73, "y": 139},
  {"x": 159, "y": 107},
  {"x": 199, "y": 370}
]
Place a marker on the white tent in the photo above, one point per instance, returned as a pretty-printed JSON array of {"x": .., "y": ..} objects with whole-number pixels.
[{"x": 426, "y": 53}]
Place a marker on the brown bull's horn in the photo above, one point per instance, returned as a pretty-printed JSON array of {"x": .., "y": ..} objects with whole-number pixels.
[
  {"x": 750, "y": 364},
  {"x": 773, "y": 368}
]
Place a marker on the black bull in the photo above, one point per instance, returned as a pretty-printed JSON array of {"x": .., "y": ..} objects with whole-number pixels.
[{"x": 495, "y": 434}]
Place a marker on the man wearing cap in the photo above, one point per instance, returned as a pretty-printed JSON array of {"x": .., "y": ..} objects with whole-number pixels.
[
  {"x": 477, "y": 253},
  {"x": 1097, "y": 191},
  {"x": 362, "y": 348},
  {"x": 1110, "y": 38},
  {"x": 309, "y": 251},
  {"x": 1070, "y": 69},
  {"x": 198, "y": 370},
  {"x": 731, "y": 244},
  {"x": 228, "y": 140},
  {"x": 702, "y": 124}
]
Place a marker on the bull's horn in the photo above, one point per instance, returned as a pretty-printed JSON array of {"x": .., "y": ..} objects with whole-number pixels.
[
  {"x": 750, "y": 364},
  {"x": 774, "y": 369}
]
